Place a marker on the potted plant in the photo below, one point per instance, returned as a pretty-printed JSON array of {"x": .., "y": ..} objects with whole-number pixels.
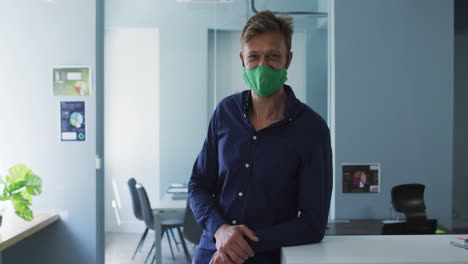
[{"x": 19, "y": 187}]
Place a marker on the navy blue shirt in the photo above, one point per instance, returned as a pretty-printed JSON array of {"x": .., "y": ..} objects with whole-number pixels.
[{"x": 277, "y": 181}]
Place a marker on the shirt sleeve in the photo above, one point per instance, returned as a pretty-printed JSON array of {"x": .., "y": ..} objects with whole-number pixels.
[
  {"x": 315, "y": 182},
  {"x": 203, "y": 181}
]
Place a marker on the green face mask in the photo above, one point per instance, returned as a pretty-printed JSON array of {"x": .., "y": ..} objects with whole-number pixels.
[{"x": 264, "y": 80}]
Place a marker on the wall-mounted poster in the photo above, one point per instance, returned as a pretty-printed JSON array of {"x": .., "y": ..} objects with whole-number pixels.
[
  {"x": 72, "y": 81},
  {"x": 72, "y": 121},
  {"x": 361, "y": 178}
]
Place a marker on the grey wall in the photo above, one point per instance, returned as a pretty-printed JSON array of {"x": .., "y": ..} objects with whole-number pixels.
[
  {"x": 35, "y": 36},
  {"x": 394, "y": 100}
]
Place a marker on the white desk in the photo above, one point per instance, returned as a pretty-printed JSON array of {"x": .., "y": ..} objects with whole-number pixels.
[
  {"x": 164, "y": 209},
  {"x": 378, "y": 249}
]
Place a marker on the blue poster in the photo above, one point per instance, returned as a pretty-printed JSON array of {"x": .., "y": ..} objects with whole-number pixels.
[{"x": 72, "y": 121}]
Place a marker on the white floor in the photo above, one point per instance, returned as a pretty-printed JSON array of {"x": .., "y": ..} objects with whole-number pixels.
[{"x": 120, "y": 248}]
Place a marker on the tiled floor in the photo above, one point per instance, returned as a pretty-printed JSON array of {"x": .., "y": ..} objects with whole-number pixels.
[{"x": 120, "y": 248}]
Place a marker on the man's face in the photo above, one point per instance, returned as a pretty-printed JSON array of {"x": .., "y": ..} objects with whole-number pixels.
[
  {"x": 266, "y": 49},
  {"x": 363, "y": 177}
]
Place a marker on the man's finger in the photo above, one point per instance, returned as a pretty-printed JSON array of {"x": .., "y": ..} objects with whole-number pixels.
[
  {"x": 249, "y": 233},
  {"x": 233, "y": 256},
  {"x": 225, "y": 258},
  {"x": 245, "y": 247},
  {"x": 215, "y": 259},
  {"x": 242, "y": 253}
]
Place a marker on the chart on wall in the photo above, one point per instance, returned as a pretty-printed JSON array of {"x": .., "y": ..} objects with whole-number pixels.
[
  {"x": 72, "y": 80},
  {"x": 72, "y": 121},
  {"x": 361, "y": 178}
]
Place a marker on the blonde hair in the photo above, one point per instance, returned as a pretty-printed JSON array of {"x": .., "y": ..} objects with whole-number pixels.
[{"x": 266, "y": 21}]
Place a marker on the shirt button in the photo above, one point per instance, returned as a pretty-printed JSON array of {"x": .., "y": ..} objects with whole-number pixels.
[
  {"x": 247, "y": 165},
  {"x": 240, "y": 194},
  {"x": 245, "y": 115},
  {"x": 254, "y": 137},
  {"x": 290, "y": 119},
  {"x": 234, "y": 222}
]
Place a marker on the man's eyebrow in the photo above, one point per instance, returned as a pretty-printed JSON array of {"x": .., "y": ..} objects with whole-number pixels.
[
  {"x": 252, "y": 52},
  {"x": 268, "y": 51},
  {"x": 274, "y": 50}
]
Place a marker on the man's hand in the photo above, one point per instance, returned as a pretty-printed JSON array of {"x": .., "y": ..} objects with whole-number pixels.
[
  {"x": 220, "y": 258},
  {"x": 230, "y": 243}
]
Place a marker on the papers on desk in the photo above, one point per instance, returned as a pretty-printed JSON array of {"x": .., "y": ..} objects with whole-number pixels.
[
  {"x": 392, "y": 221},
  {"x": 178, "y": 191},
  {"x": 178, "y": 185}
]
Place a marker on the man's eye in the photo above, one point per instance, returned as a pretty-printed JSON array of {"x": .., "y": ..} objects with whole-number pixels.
[
  {"x": 253, "y": 57},
  {"x": 274, "y": 56}
]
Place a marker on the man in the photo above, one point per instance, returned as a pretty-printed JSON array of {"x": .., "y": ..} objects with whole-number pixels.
[{"x": 263, "y": 178}]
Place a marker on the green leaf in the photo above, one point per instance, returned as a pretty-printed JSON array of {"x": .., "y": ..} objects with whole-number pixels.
[
  {"x": 14, "y": 186},
  {"x": 19, "y": 197},
  {"x": 19, "y": 172},
  {"x": 9, "y": 179},
  {"x": 22, "y": 210},
  {"x": 26, "y": 196},
  {"x": 33, "y": 184},
  {"x": 20, "y": 176}
]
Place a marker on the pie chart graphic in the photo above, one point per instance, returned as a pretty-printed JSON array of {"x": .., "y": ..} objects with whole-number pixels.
[{"x": 76, "y": 119}]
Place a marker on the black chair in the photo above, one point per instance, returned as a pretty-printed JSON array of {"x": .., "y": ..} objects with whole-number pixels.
[
  {"x": 409, "y": 199},
  {"x": 192, "y": 230},
  {"x": 166, "y": 224},
  {"x": 137, "y": 212}
]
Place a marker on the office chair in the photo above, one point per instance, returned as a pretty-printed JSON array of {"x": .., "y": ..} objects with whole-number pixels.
[
  {"x": 166, "y": 224},
  {"x": 409, "y": 199},
  {"x": 192, "y": 230},
  {"x": 136, "y": 206},
  {"x": 137, "y": 212}
]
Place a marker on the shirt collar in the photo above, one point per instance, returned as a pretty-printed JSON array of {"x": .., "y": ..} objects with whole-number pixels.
[{"x": 289, "y": 110}]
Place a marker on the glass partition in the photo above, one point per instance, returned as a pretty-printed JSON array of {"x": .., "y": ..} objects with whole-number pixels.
[{"x": 158, "y": 105}]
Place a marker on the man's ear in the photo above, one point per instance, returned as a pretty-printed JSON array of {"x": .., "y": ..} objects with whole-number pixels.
[
  {"x": 241, "y": 56},
  {"x": 290, "y": 56}
]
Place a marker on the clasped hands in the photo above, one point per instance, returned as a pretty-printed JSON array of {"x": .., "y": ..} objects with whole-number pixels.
[{"x": 231, "y": 245}]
